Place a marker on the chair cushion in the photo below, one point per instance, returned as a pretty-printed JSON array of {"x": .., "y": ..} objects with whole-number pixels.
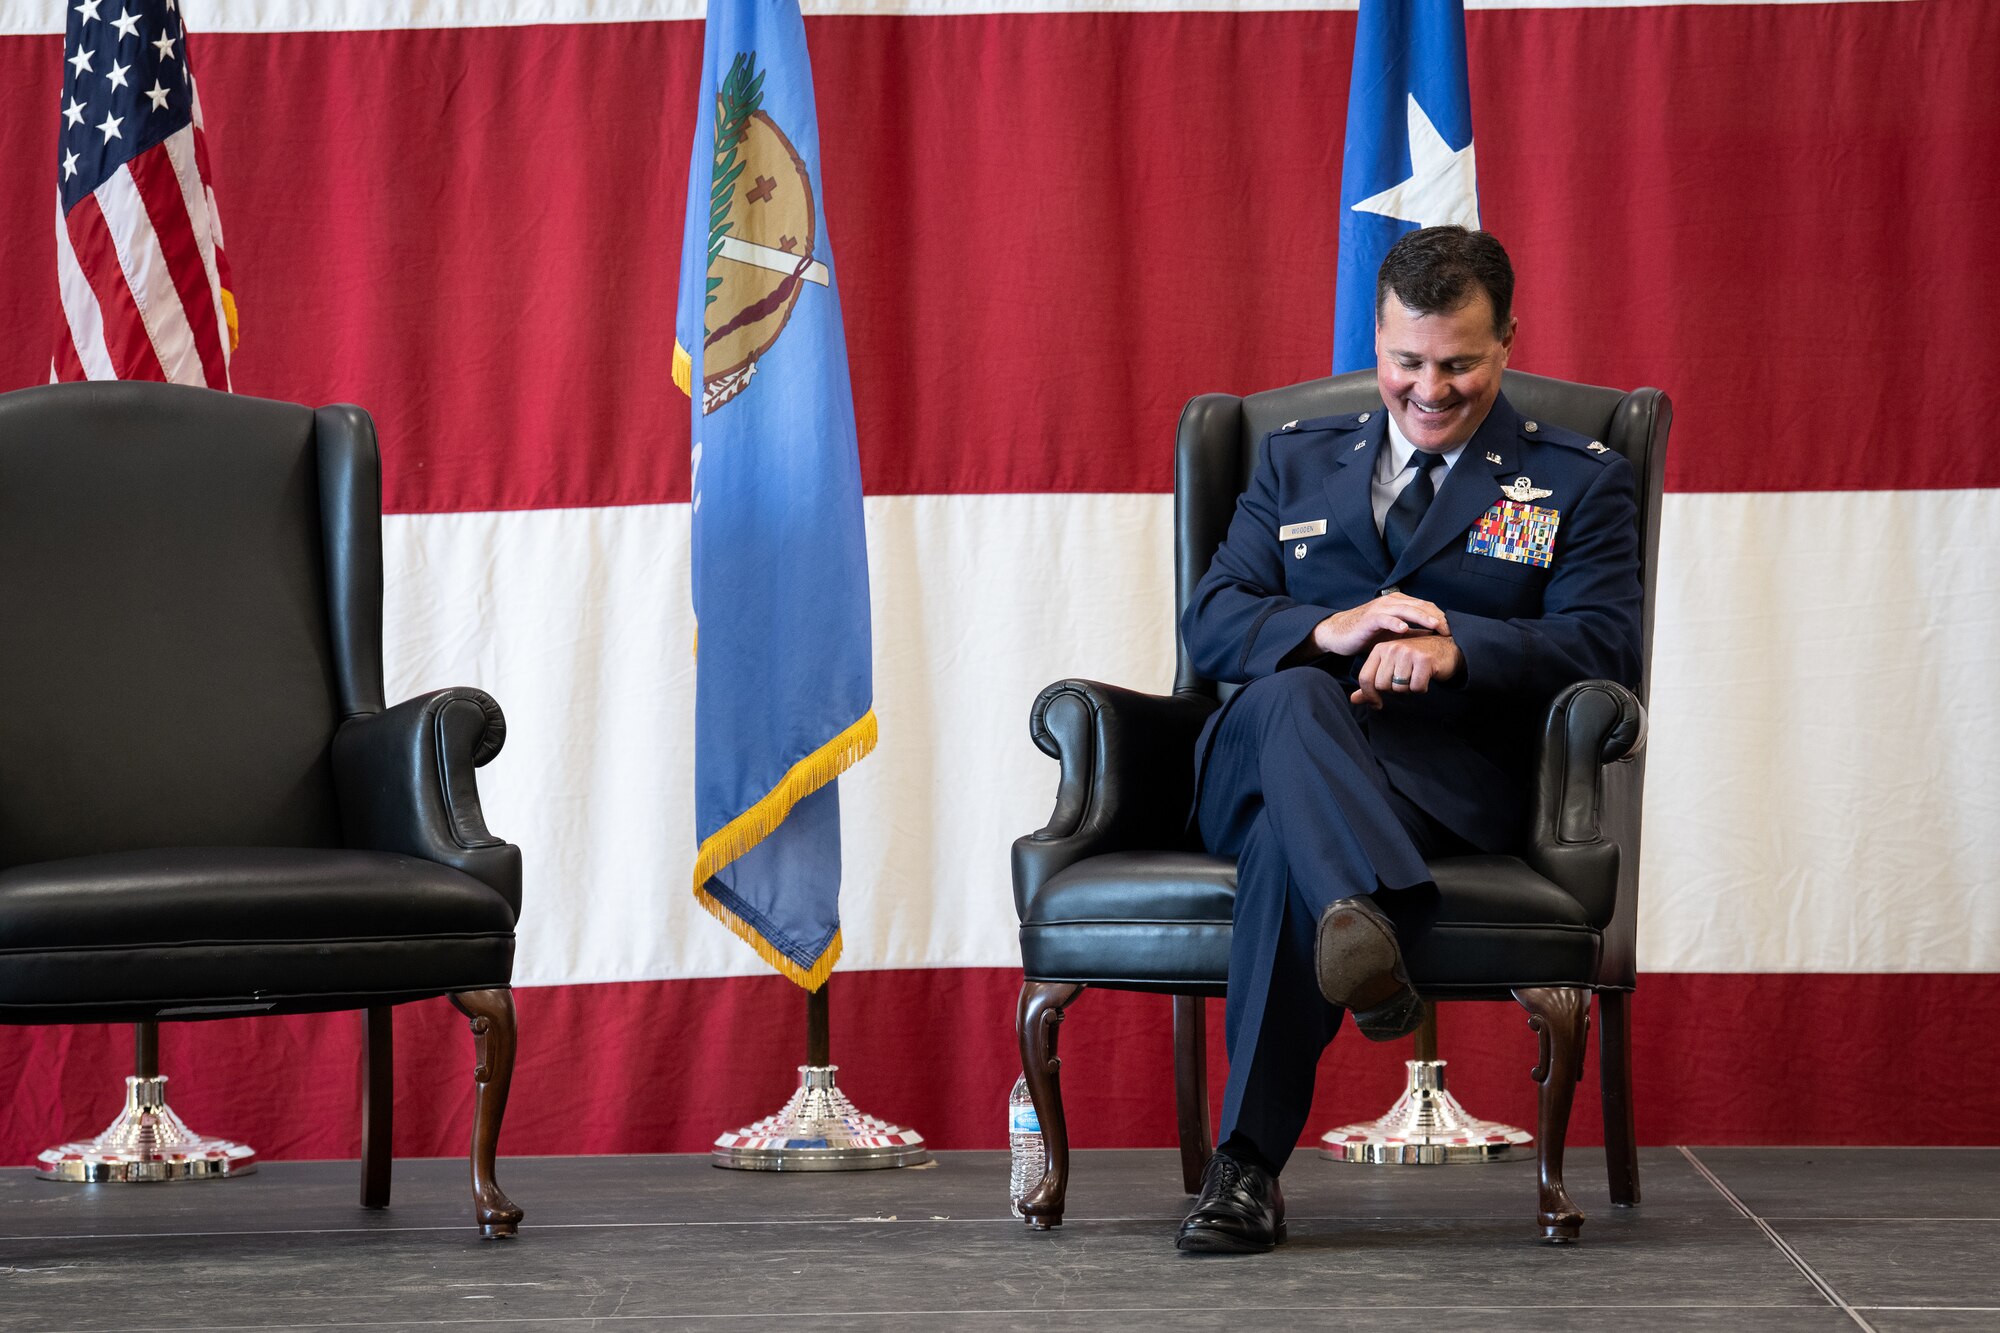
[
  {"x": 1500, "y": 926},
  {"x": 1160, "y": 921},
  {"x": 1150, "y": 920},
  {"x": 254, "y": 929}
]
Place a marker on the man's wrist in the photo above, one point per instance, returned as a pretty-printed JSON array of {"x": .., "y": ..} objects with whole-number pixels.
[
  {"x": 1454, "y": 676},
  {"x": 1307, "y": 650}
]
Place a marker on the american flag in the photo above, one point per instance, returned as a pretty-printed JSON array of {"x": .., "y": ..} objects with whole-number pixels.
[{"x": 145, "y": 287}]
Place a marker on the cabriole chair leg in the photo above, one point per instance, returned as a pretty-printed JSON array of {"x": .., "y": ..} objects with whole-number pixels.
[
  {"x": 492, "y": 1015},
  {"x": 1560, "y": 1016},
  {"x": 1042, "y": 1005}
]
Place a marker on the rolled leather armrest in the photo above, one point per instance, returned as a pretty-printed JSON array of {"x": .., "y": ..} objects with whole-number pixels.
[
  {"x": 1590, "y": 724},
  {"x": 405, "y": 783},
  {"x": 1127, "y": 775}
]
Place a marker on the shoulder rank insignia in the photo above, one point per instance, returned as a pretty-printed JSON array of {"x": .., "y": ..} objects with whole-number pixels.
[
  {"x": 1597, "y": 448},
  {"x": 1524, "y": 490},
  {"x": 1522, "y": 533}
]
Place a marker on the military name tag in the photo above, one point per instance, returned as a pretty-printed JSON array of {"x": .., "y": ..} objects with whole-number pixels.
[
  {"x": 1523, "y": 533},
  {"x": 1316, "y": 528}
]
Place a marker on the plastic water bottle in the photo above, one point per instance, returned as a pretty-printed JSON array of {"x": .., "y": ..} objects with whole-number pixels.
[{"x": 1024, "y": 1140}]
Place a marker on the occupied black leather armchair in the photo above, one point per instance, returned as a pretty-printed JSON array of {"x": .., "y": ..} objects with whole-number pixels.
[
  {"x": 1116, "y": 892},
  {"x": 206, "y": 810}
]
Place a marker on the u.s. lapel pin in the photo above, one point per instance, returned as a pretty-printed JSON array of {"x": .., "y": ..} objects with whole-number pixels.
[
  {"x": 1524, "y": 490},
  {"x": 1492, "y": 457},
  {"x": 1360, "y": 445}
]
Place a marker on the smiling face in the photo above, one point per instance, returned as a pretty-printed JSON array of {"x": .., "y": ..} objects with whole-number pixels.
[{"x": 1439, "y": 373}]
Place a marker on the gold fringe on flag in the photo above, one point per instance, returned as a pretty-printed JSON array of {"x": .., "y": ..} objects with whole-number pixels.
[
  {"x": 751, "y": 827},
  {"x": 229, "y": 317},
  {"x": 683, "y": 368}
]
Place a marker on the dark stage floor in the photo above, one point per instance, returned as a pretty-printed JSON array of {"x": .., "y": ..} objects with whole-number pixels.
[{"x": 1728, "y": 1238}]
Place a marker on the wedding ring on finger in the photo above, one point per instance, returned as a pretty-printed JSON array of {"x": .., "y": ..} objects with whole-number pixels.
[{"x": 1399, "y": 680}]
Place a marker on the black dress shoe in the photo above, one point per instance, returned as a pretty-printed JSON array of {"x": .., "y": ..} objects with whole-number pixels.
[
  {"x": 1240, "y": 1210},
  {"x": 1360, "y": 967}
]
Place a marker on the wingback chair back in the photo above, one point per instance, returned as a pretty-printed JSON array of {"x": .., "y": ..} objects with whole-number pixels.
[
  {"x": 193, "y": 604},
  {"x": 1216, "y": 452}
]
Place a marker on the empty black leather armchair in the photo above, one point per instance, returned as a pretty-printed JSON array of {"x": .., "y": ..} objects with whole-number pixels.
[
  {"x": 206, "y": 809},
  {"x": 1115, "y": 891}
]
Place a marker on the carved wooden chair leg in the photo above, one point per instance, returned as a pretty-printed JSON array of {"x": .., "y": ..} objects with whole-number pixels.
[
  {"x": 1560, "y": 1016},
  {"x": 492, "y": 1015},
  {"x": 1614, "y": 1072},
  {"x": 1191, "y": 1088},
  {"x": 378, "y": 1105},
  {"x": 1042, "y": 1005}
]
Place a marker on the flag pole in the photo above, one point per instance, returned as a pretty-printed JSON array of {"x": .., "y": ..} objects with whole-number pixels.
[
  {"x": 819, "y": 1129},
  {"x": 819, "y": 1026}
]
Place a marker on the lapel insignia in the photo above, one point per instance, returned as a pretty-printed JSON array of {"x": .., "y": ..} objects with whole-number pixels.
[
  {"x": 1492, "y": 457},
  {"x": 1597, "y": 448},
  {"x": 1359, "y": 447},
  {"x": 1288, "y": 425},
  {"x": 1524, "y": 490}
]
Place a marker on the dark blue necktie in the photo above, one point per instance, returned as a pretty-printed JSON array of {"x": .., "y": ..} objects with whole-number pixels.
[{"x": 1400, "y": 523}]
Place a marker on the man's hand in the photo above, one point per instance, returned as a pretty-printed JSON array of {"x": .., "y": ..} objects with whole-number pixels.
[
  {"x": 1406, "y": 666},
  {"x": 1390, "y": 616}
]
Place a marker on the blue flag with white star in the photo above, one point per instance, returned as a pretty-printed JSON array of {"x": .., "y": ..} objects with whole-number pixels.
[
  {"x": 1408, "y": 162},
  {"x": 783, "y": 683}
]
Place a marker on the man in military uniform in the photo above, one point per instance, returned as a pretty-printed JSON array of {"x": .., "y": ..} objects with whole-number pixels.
[{"x": 1401, "y": 592}]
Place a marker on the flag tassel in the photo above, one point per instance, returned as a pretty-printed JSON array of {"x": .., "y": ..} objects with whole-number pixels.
[
  {"x": 751, "y": 827},
  {"x": 683, "y": 368}
]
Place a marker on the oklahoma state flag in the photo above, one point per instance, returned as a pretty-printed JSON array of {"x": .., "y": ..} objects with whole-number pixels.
[{"x": 784, "y": 688}]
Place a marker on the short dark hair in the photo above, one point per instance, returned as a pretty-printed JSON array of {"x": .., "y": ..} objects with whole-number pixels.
[{"x": 1433, "y": 272}]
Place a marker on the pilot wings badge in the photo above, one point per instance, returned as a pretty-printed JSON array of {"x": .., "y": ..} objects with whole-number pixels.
[{"x": 1524, "y": 490}]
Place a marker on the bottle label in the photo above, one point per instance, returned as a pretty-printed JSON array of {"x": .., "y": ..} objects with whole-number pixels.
[{"x": 1022, "y": 1120}]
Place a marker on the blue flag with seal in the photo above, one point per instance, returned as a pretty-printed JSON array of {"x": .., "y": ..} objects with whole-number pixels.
[
  {"x": 783, "y": 680},
  {"x": 1408, "y": 162}
]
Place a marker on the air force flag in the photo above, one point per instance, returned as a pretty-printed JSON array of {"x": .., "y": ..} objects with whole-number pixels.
[
  {"x": 1408, "y": 162},
  {"x": 783, "y": 682}
]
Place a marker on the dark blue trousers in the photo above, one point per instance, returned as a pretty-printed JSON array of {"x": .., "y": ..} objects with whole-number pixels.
[{"x": 1290, "y": 788}]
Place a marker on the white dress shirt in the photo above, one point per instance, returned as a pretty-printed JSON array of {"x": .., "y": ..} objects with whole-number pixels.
[{"x": 1393, "y": 472}]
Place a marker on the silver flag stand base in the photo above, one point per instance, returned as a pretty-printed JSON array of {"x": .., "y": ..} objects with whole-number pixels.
[
  {"x": 146, "y": 1143},
  {"x": 1426, "y": 1127},
  {"x": 819, "y": 1130}
]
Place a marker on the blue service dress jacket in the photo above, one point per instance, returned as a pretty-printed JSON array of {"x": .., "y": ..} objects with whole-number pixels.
[{"x": 1531, "y": 548}]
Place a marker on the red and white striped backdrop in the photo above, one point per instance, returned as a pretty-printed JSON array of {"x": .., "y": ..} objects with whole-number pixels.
[{"x": 1056, "y": 222}]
